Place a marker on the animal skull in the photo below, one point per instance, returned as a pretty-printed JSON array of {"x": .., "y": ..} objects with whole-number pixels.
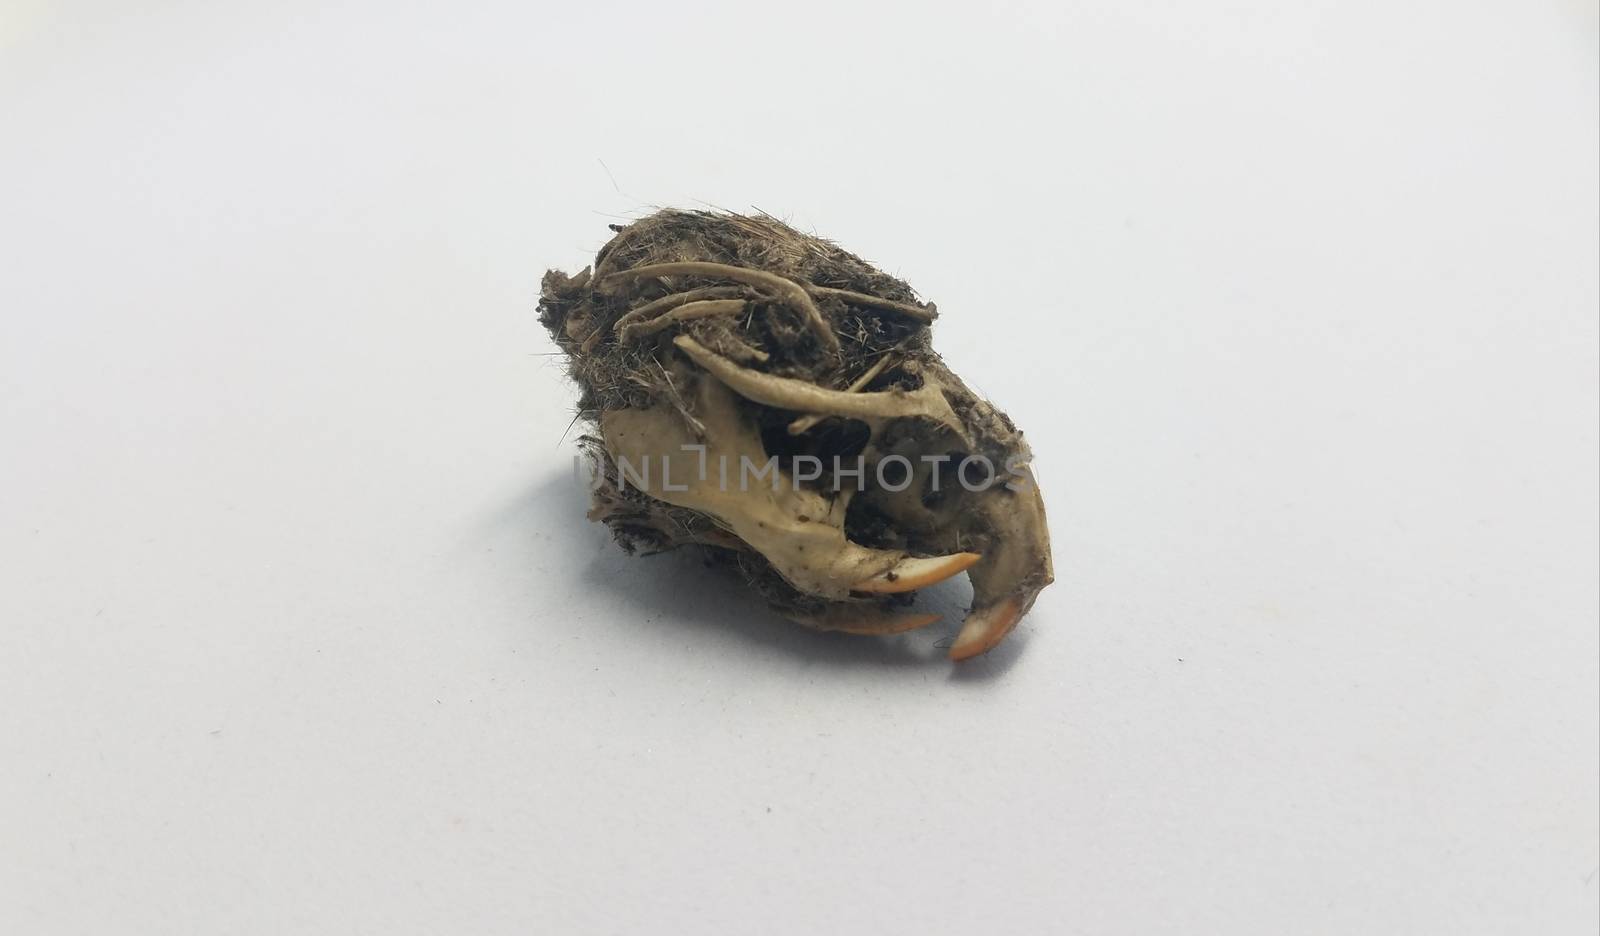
[{"x": 712, "y": 348}]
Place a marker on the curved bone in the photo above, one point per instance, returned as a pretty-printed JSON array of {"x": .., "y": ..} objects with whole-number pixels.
[
  {"x": 704, "y": 308},
  {"x": 877, "y": 302},
  {"x": 790, "y": 394},
  {"x": 804, "y": 423},
  {"x": 666, "y": 303},
  {"x": 787, "y": 289}
]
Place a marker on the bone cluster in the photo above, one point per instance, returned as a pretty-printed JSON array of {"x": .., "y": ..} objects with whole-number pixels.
[{"x": 704, "y": 340}]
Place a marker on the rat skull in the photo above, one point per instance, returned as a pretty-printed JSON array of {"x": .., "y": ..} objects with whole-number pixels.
[{"x": 767, "y": 395}]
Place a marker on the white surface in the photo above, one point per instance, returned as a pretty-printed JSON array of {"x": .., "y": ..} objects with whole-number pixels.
[{"x": 304, "y": 630}]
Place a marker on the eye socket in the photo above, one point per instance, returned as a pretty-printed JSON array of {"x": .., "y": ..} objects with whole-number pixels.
[
  {"x": 867, "y": 525},
  {"x": 842, "y": 439},
  {"x": 894, "y": 473},
  {"x": 845, "y": 438},
  {"x": 943, "y": 481}
]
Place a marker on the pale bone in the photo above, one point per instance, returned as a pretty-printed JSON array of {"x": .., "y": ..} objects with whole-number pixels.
[
  {"x": 798, "y": 530},
  {"x": 703, "y": 308},
  {"x": 876, "y": 302},
  {"x": 926, "y": 402},
  {"x": 666, "y": 303},
  {"x": 787, "y": 289},
  {"x": 804, "y": 423}
]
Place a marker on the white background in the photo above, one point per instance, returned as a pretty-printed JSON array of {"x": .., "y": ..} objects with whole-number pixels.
[{"x": 302, "y": 628}]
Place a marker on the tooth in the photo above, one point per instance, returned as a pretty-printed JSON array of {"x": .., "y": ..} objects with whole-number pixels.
[
  {"x": 865, "y": 619},
  {"x": 984, "y": 628},
  {"x": 913, "y": 573}
]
